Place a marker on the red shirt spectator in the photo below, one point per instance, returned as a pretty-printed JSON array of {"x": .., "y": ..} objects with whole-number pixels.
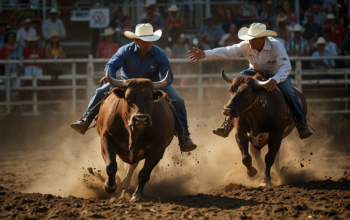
[
  {"x": 338, "y": 34},
  {"x": 107, "y": 50},
  {"x": 5, "y": 52},
  {"x": 178, "y": 22},
  {"x": 28, "y": 53}
]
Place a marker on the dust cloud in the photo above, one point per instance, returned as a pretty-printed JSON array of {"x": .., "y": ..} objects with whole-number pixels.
[{"x": 47, "y": 156}]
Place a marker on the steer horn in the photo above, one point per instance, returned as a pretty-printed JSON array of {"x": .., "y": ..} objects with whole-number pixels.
[
  {"x": 258, "y": 83},
  {"x": 226, "y": 78},
  {"x": 162, "y": 83},
  {"x": 115, "y": 82}
]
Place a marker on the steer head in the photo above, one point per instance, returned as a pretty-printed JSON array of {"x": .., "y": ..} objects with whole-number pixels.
[
  {"x": 243, "y": 93},
  {"x": 138, "y": 96}
]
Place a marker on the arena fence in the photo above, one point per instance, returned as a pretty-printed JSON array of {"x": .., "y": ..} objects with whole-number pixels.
[{"x": 91, "y": 77}]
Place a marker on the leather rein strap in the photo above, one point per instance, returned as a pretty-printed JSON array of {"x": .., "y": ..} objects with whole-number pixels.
[{"x": 251, "y": 106}]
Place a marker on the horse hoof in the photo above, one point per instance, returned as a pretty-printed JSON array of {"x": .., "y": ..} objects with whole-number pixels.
[
  {"x": 252, "y": 172},
  {"x": 265, "y": 183},
  {"x": 136, "y": 198},
  {"x": 109, "y": 189}
]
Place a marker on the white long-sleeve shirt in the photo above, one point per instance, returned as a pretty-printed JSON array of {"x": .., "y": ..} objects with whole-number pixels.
[
  {"x": 22, "y": 34},
  {"x": 48, "y": 26},
  {"x": 273, "y": 58}
]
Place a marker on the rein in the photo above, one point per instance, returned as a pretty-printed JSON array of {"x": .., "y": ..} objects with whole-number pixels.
[{"x": 251, "y": 106}]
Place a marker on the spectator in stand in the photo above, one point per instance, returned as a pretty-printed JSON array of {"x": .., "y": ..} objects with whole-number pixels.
[
  {"x": 33, "y": 51},
  {"x": 53, "y": 48},
  {"x": 173, "y": 20},
  {"x": 328, "y": 5},
  {"x": 248, "y": 13},
  {"x": 296, "y": 45},
  {"x": 210, "y": 34},
  {"x": 107, "y": 48},
  {"x": 231, "y": 37},
  {"x": 229, "y": 19},
  {"x": 24, "y": 32},
  {"x": 53, "y": 24},
  {"x": 117, "y": 20},
  {"x": 339, "y": 34},
  {"x": 345, "y": 48},
  {"x": 342, "y": 19},
  {"x": 151, "y": 16},
  {"x": 10, "y": 50},
  {"x": 282, "y": 30},
  {"x": 289, "y": 16},
  {"x": 321, "y": 52},
  {"x": 269, "y": 14},
  {"x": 319, "y": 17},
  {"x": 180, "y": 49},
  {"x": 330, "y": 46},
  {"x": 127, "y": 26},
  {"x": 2, "y": 33},
  {"x": 312, "y": 30}
]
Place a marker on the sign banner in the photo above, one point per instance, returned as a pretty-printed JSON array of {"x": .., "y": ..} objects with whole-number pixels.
[
  {"x": 99, "y": 18},
  {"x": 80, "y": 15}
]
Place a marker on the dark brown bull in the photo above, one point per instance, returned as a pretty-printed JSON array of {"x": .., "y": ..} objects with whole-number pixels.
[
  {"x": 134, "y": 127},
  {"x": 260, "y": 118}
]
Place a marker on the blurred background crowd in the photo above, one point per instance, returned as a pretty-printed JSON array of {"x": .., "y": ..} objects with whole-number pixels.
[{"x": 306, "y": 28}]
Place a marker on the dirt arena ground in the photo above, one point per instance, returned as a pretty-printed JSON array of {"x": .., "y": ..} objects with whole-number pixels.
[{"x": 44, "y": 174}]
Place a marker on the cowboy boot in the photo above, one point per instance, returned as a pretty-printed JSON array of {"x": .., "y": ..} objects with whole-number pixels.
[
  {"x": 185, "y": 143},
  {"x": 225, "y": 128},
  {"x": 83, "y": 123},
  {"x": 303, "y": 130}
]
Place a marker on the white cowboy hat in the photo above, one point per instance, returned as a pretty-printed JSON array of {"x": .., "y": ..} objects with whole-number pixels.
[
  {"x": 32, "y": 38},
  {"x": 53, "y": 34},
  {"x": 107, "y": 32},
  {"x": 173, "y": 8},
  {"x": 321, "y": 40},
  {"x": 149, "y": 3},
  {"x": 330, "y": 16},
  {"x": 297, "y": 27},
  {"x": 255, "y": 30},
  {"x": 27, "y": 21},
  {"x": 144, "y": 32},
  {"x": 54, "y": 11}
]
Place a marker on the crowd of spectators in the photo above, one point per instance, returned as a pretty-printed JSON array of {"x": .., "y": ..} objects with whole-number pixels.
[{"x": 321, "y": 31}]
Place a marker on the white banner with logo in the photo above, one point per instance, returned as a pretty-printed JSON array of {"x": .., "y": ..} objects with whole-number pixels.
[
  {"x": 80, "y": 15},
  {"x": 99, "y": 18}
]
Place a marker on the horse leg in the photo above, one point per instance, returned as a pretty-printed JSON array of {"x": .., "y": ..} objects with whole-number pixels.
[
  {"x": 125, "y": 183},
  {"x": 277, "y": 166},
  {"x": 108, "y": 151},
  {"x": 151, "y": 161},
  {"x": 274, "y": 146},
  {"x": 243, "y": 144},
  {"x": 257, "y": 156}
]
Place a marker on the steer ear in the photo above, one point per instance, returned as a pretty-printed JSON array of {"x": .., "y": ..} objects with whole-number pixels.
[
  {"x": 158, "y": 95},
  {"x": 261, "y": 91},
  {"x": 120, "y": 93}
]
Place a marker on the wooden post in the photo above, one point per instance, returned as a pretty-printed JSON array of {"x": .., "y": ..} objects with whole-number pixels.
[
  {"x": 298, "y": 74},
  {"x": 8, "y": 96},
  {"x": 90, "y": 88},
  {"x": 35, "y": 95},
  {"x": 200, "y": 88},
  {"x": 74, "y": 91}
]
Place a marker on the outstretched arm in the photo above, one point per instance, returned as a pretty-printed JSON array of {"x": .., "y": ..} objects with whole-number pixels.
[{"x": 218, "y": 53}]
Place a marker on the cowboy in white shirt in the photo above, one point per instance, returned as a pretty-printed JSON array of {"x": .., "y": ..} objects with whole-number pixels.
[
  {"x": 53, "y": 24},
  {"x": 267, "y": 55},
  {"x": 25, "y": 32}
]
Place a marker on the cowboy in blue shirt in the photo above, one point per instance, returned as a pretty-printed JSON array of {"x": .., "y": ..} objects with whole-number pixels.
[{"x": 140, "y": 59}]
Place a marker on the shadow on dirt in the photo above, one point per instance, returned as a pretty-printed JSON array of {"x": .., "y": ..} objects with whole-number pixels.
[
  {"x": 206, "y": 201},
  {"x": 342, "y": 184}
]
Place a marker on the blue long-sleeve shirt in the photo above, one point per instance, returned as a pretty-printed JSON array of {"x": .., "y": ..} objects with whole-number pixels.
[{"x": 154, "y": 66}]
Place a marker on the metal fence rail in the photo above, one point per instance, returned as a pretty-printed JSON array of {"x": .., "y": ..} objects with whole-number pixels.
[{"x": 92, "y": 76}]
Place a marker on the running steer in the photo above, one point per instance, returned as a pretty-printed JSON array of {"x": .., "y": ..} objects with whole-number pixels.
[
  {"x": 260, "y": 118},
  {"x": 135, "y": 123}
]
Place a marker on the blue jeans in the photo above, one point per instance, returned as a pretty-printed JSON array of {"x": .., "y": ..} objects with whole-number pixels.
[
  {"x": 289, "y": 94},
  {"x": 179, "y": 105}
]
